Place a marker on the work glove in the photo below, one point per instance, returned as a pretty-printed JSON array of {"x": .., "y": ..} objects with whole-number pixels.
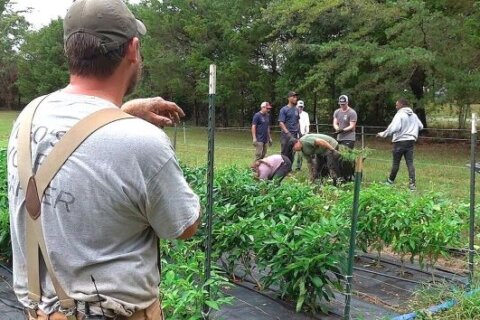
[
  {"x": 270, "y": 142},
  {"x": 339, "y": 131}
]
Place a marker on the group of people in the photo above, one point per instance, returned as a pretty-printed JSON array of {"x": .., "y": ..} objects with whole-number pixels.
[
  {"x": 297, "y": 141},
  {"x": 321, "y": 150}
]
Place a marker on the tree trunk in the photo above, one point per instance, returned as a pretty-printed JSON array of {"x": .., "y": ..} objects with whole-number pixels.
[
  {"x": 463, "y": 112},
  {"x": 195, "y": 111},
  {"x": 225, "y": 116}
]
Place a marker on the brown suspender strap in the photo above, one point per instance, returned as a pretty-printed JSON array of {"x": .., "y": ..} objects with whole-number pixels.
[
  {"x": 24, "y": 151},
  {"x": 35, "y": 185}
]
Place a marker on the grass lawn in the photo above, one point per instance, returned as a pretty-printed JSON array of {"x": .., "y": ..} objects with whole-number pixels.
[
  {"x": 6, "y": 121},
  {"x": 440, "y": 167}
]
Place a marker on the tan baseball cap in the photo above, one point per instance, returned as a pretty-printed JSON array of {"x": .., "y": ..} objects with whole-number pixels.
[{"x": 109, "y": 20}]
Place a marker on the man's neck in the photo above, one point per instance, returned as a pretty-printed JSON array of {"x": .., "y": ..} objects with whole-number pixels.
[
  {"x": 107, "y": 89},
  {"x": 291, "y": 105}
]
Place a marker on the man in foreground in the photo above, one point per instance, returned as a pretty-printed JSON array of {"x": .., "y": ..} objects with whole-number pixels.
[
  {"x": 404, "y": 127},
  {"x": 113, "y": 197}
]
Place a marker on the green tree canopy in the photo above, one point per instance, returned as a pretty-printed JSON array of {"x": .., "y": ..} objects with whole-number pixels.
[{"x": 374, "y": 51}]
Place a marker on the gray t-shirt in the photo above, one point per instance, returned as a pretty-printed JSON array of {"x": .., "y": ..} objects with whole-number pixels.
[
  {"x": 102, "y": 211},
  {"x": 344, "y": 118}
]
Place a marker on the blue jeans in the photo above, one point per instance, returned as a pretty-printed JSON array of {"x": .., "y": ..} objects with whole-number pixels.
[{"x": 403, "y": 149}]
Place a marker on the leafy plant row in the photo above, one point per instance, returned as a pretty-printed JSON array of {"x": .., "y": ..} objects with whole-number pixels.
[
  {"x": 294, "y": 237},
  {"x": 424, "y": 227},
  {"x": 282, "y": 236}
]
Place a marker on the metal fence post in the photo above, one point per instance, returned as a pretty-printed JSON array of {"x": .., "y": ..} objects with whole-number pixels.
[
  {"x": 211, "y": 149},
  {"x": 184, "y": 134},
  {"x": 316, "y": 123},
  {"x": 363, "y": 137},
  {"x": 175, "y": 137},
  {"x": 472, "y": 200},
  {"x": 353, "y": 234}
]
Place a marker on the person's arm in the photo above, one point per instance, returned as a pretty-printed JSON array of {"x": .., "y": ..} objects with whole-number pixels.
[
  {"x": 281, "y": 121},
  {"x": 323, "y": 143},
  {"x": 171, "y": 207},
  {"x": 335, "y": 121},
  {"x": 283, "y": 127},
  {"x": 155, "y": 110},
  {"x": 351, "y": 126},
  {"x": 420, "y": 124},
  {"x": 393, "y": 127},
  {"x": 190, "y": 231},
  {"x": 254, "y": 134},
  {"x": 353, "y": 121},
  {"x": 264, "y": 172}
]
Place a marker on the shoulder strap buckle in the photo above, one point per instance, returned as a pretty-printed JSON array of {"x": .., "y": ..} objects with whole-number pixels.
[
  {"x": 31, "y": 310},
  {"x": 70, "y": 313}
]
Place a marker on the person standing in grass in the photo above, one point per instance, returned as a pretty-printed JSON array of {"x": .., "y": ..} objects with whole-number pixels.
[
  {"x": 304, "y": 129},
  {"x": 120, "y": 191},
  {"x": 261, "y": 130},
  {"x": 274, "y": 167},
  {"x": 288, "y": 120},
  {"x": 404, "y": 128},
  {"x": 344, "y": 122}
]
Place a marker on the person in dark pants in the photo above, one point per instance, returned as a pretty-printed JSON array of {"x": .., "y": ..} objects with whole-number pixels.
[
  {"x": 289, "y": 124},
  {"x": 404, "y": 127},
  {"x": 274, "y": 167},
  {"x": 344, "y": 122},
  {"x": 261, "y": 130}
]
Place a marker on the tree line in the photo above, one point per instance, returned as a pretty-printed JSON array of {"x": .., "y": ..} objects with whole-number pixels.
[{"x": 373, "y": 51}]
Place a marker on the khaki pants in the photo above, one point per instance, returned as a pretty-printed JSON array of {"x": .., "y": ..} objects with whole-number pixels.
[
  {"x": 153, "y": 312},
  {"x": 260, "y": 150}
]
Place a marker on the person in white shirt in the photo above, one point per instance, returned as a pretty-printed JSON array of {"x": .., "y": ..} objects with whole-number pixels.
[{"x": 304, "y": 121}]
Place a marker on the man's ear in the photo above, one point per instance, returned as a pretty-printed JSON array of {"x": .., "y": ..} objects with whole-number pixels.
[{"x": 133, "y": 50}]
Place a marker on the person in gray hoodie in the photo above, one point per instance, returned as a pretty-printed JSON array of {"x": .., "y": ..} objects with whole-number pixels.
[{"x": 404, "y": 127}]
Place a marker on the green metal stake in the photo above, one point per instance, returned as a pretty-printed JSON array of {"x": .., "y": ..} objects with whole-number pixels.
[
  {"x": 472, "y": 200},
  {"x": 353, "y": 234},
  {"x": 211, "y": 149}
]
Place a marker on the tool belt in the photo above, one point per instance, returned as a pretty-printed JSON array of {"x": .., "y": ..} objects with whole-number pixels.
[
  {"x": 153, "y": 312},
  {"x": 34, "y": 185}
]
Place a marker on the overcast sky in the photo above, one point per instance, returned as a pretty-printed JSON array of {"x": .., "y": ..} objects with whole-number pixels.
[{"x": 43, "y": 11}]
